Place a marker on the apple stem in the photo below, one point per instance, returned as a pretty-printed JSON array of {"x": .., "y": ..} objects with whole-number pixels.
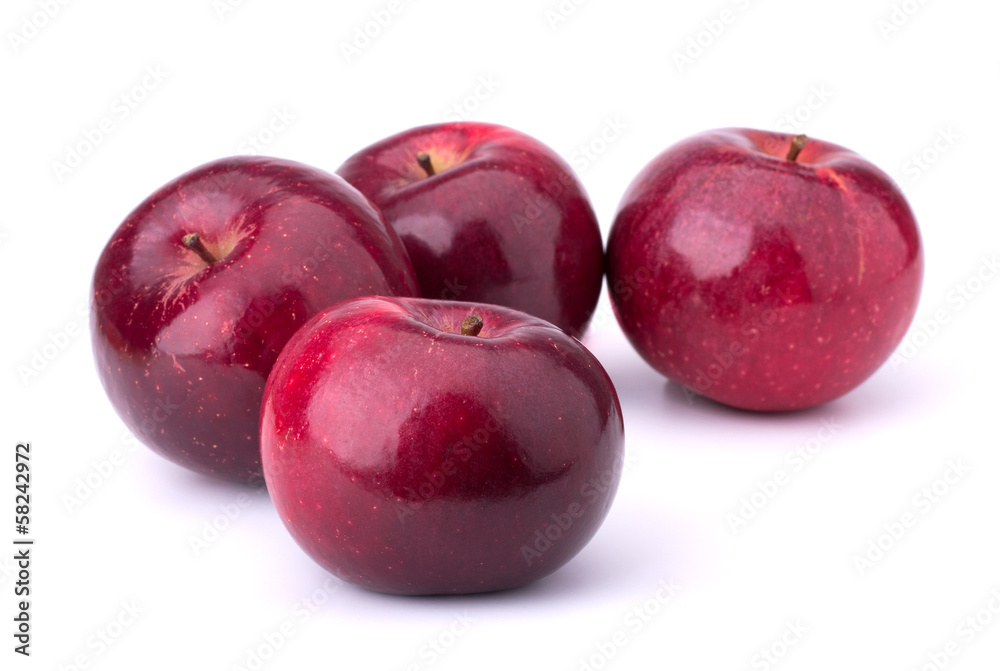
[
  {"x": 424, "y": 159},
  {"x": 798, "y": 144},
  {"x": 193, "y": 242},
  {"x": 472, "y": 325}
]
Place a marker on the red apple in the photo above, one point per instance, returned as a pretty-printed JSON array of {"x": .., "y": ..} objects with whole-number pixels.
[
  {"x": 417, "y": 446},
  {"x": 488, "y": 215},
  {"x": 204, "y": 282},
  {"x": 764, "y": 271}
]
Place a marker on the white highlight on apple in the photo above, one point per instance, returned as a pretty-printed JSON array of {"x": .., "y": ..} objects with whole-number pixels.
[
  {"x": 892, "y": 532},
  {"x": 122, "y": 107},
  {"x": 32, "y": 24},
  {"x": 925, "y": 329},
  {"x": 767, "y": 489},
  {"x": 793, "y": 634}
]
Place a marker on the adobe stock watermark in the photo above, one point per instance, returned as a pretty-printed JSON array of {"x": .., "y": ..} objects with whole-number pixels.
[
  {"x": 435, "y": 647},
  {"x": 306, "y": 267},
  {"x": 925, "y": 329},
  {"x": 59, "y": 340},
  {"x": 55, "y": 342},
  {"x": 483, "y": 90},
  {"x": 460, "y": 454},
  {"x": 371, "y": 29},
  {"x": 586, "y": 154},
  {"x": 918, "y": 164},
  {"x": 268, "y": 644},
  {"x": 120, "y": 109},
  {"x": 560, "y": 13},
  {"x": 223, "y": 8},
  {"x": 32, "y": 24},
  {"x": 623, "y": 289},
  {"x": 922, "y": 503},
  {"x": 254, "y": 143},
  {"x": 7, "y": 569},
  {"x": 899, "y": 15},
  {"x": 101, "y": 471},
  {"x": 559, "y": 522},
  {"x": 635, "y": 620},
  {"x": 106, "y": 636},
  {"x": 969, "y": 628},
  {"x": 711, "y": 30},
  {"x": 770, "y": 655},
  {"x": 543, "y": 205},
  {"x": 795, "y": 460},
  {"x": 794, "y": 121},
  {"x": 212, "y": 528},
  {"x": 760, "y": 323}
]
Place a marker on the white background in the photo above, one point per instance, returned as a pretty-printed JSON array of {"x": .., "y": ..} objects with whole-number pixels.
[{"x": 834, "y": 66}]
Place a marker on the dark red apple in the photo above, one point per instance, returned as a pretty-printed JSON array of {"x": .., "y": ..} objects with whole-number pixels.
[
  {"x": 204, "y": 282},
  {"x": 765, "y": 271},
  {"x": 489, "y": 215},
  {"x": 417, "y": 446}
]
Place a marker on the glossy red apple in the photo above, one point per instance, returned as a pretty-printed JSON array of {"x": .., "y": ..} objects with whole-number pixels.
[
  {"x": 417, "y": 446},
  {"x": 489, "y": 215},
  {"x": 764, "y": 271},
  {"x": 204, "y": 282}
]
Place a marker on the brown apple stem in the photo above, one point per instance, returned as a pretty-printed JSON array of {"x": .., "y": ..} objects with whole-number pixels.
[
  {"x": 798, "y": 144},
  {"x": 424, "y": 159},
  {"x": 472, "y": 325},
  {"x": 193, "y": 242}
]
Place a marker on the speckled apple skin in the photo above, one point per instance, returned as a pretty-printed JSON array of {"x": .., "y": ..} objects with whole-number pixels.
[
  {"x": 506, "y": 223},
  {"x": 410, "y": 459},
  {"x": 760, "y": 282},
  {"x": 182, "y": 348}
]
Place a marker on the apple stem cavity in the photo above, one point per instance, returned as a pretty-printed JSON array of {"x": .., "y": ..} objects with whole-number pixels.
[
  {"x": 424, "y": 159},
  {"x": 193, "y": 242},
  {"x": 798, "y": 144},
  {"x": 472, "y": 325}
]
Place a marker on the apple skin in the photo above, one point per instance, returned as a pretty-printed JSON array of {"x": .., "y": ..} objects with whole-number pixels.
[
  {"x": 503, "y": 220},
  {"x": 183, "y": 347},
  {"x": 408, "y": 458},
  {"x": 761, "y": 282}
]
